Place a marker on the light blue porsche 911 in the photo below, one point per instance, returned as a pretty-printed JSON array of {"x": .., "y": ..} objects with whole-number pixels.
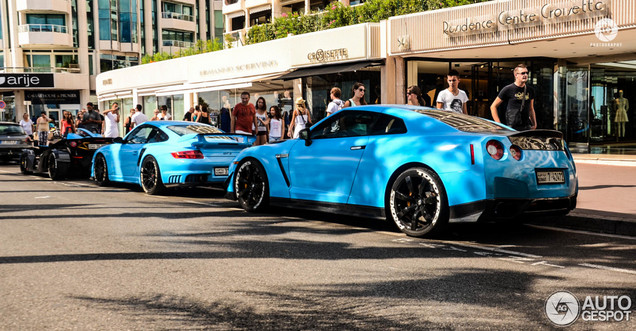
[
  {"x": 420, "y": 168},
  {"x": 162, "y": 154}
]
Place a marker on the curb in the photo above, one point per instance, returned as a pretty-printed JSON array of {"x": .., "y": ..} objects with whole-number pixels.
[
  {"x": 593, "y": 221},
  {"x": 613, "y": 162}
]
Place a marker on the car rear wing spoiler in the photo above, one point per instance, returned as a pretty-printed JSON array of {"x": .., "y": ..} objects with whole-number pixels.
[
  {"x": 545, "y": 140},
  {"x": 242, "y": 139}
]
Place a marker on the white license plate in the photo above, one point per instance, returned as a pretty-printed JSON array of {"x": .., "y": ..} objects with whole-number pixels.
[
  {"x": 550, "y": 177},
  {"x": 95, "y": 146},
  {"x": 9, "y": 142},
  {"x": 220, "y": 171}
]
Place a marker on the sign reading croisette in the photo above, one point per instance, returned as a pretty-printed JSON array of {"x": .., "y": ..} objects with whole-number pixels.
[
  {"x": 320, "y": 56},
  {"x": 552, "y": 12},
  {"x": 26, "y": 80}
]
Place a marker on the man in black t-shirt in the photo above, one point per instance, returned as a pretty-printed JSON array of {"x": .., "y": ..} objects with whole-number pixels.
[{"x": 514, "y": 95}]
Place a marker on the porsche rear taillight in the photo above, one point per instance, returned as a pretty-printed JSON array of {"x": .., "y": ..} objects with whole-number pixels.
[
  {"x": 73, "y": 144},
  {"x": 188, "y": 155},
  {"x": 495, "y": 149}
]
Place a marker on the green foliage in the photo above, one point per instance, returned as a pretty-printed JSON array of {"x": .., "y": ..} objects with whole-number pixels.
[
  {"x": 199, "y": 47},
  {"x": 337, "y": 15}
]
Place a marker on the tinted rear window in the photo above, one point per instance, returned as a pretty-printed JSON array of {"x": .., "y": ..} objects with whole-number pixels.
[
  {"x": 197, "y": 129},
  {"x": 11, "y": 130},
  {"x": 463, "y": 122}
]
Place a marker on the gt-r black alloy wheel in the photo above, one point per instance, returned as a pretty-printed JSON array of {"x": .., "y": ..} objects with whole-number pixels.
[
  {"x": 151, "y": 176},
  {"x": 100, "y": 170},
  {"x": 251, "y": 186},
  {"x": 418, "y": 203}
]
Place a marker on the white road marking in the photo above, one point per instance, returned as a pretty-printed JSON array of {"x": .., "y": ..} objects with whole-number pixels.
[
  {"x": 596, "y": 266},
  {"x": 42, "y": 197},
  {"x": 616, "y": 236}
]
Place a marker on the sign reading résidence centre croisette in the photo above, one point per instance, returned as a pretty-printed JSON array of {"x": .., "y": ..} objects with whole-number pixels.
[{"x": 552, "y": 12}]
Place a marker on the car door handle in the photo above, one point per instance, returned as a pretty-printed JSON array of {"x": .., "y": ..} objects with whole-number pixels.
[{"x": 355, "y": 148}]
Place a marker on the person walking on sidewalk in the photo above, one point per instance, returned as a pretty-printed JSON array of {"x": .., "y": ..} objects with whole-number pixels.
[
  {"x": 453, "y": 99},
  {"x": 244, "y": 116},
  {"x": 519, "y": 113}
]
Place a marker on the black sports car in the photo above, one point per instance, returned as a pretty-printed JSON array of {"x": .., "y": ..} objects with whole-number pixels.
[{"x": 64, "y": 157}]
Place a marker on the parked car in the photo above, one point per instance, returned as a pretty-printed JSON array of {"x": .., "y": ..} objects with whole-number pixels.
[
  {"x": 418, "y": 167},
  {"x": 13, "y": 140},
  {"x": 65, "y": 156},
  {"x": 161, "y": 154}
]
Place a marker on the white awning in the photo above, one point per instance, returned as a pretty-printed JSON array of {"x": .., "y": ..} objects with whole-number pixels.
[{"x": 226, "y": 84}]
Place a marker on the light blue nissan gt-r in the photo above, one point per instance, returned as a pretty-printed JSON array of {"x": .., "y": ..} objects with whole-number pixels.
[
  {"x": 162, "y": 154},
  {"x": 418, "y": 167}
]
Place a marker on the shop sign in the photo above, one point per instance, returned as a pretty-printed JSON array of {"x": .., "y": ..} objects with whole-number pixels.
[
  {"x": 52, "y": 97},
  {"x": 239, "y": 68},
  {"x": 26, "y": 80},
  {"x": 548, "y": 13},
  {"x": 331, "y": 55}
]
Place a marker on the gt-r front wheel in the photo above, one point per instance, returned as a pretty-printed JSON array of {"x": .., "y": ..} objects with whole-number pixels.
[
  {"x": 151, "y": 176},
  {"x": 417, "y": 202},
  {"x": 100, "y": 170},
  {"x": 251, "y": 186}
]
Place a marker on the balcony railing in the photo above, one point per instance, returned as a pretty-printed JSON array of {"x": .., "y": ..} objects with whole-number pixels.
[
  {"x": 42, "y": 28},
  {"x": 178, "y": 43},
  {"x": 70, "y": 69},
  {"x": 178, "y": 16}
]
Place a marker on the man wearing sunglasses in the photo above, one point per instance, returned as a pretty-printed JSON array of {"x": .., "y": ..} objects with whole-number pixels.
[{"x": 519, "y": 98}]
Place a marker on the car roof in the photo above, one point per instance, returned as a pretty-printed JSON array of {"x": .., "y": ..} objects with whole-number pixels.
[
  {"x": 9, "y": 123},
  {"x": 162, "y": 123}
]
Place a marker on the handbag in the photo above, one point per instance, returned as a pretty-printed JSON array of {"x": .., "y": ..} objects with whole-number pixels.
[{"x": 514, "y": 117}]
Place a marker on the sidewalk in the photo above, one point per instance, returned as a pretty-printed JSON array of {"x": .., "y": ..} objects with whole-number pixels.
[{"x": 602, "y": 205}]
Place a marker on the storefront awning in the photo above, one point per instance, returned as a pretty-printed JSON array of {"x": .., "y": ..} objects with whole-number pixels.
[
  {"x": 226, "y": 84},
  {"x": 330, "y": 69}
]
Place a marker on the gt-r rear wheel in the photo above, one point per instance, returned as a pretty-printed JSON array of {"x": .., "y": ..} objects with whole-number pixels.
[
  {"x": 417, "y": 202},
  {"x": 251, "y": 186},
  {"x": 57, "y": 170},
  {"x": 151, "y": 176},
  {"x": 100, "y": 171},
  {"x": 24, "y": 167}
]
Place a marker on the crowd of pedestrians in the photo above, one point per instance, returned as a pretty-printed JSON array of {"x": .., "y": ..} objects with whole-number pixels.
[{"x": 274, "y": 124}]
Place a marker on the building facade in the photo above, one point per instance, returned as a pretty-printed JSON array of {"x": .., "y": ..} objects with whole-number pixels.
[
  {"x": 240, "y": 15},
  {"x": 52, "y": 50}
]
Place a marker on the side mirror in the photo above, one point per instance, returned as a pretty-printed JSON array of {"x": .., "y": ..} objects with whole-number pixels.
[
  {"x": 118, "y": 140},
  {"x": 304, "y": 135}
]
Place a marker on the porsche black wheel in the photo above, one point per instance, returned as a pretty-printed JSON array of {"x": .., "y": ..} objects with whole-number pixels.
[
  {"x": 100, "y": 171},
  {"x": 151, "y": 176},
  {"x": 57, "y": 170},
  {"x": 251, "y": 186},
  {"x": 417, "y": 202},
  {"x": 24, "y": 167}
]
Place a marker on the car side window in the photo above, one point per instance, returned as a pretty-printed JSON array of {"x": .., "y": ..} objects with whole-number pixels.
[
  {"x": 157, "y": 136},
  {"x": 387, "y": 124},
  {"x": 139, "y": 135},
  {"x": 346, "y": 124}
]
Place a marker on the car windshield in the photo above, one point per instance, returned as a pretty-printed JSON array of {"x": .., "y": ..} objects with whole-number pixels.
[
  {"x": 193, "y": 128},
  {"x": 463, "y": 122},
  {"x": 11, "y": 130}
]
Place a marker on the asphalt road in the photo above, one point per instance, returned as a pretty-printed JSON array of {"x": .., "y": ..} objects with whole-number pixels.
[{"x": 77, "y": 256}]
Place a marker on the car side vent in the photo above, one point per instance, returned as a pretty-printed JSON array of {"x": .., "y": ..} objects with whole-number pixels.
[{"x": 174, "y": 179}]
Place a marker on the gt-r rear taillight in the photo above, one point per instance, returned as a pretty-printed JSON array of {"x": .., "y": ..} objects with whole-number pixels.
[
  {"x": 73, "y": 144},
  {"x": 187, "y": 155},
  {"x": 515, "y": 152},
  {"x": 495, "y": 149}
]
